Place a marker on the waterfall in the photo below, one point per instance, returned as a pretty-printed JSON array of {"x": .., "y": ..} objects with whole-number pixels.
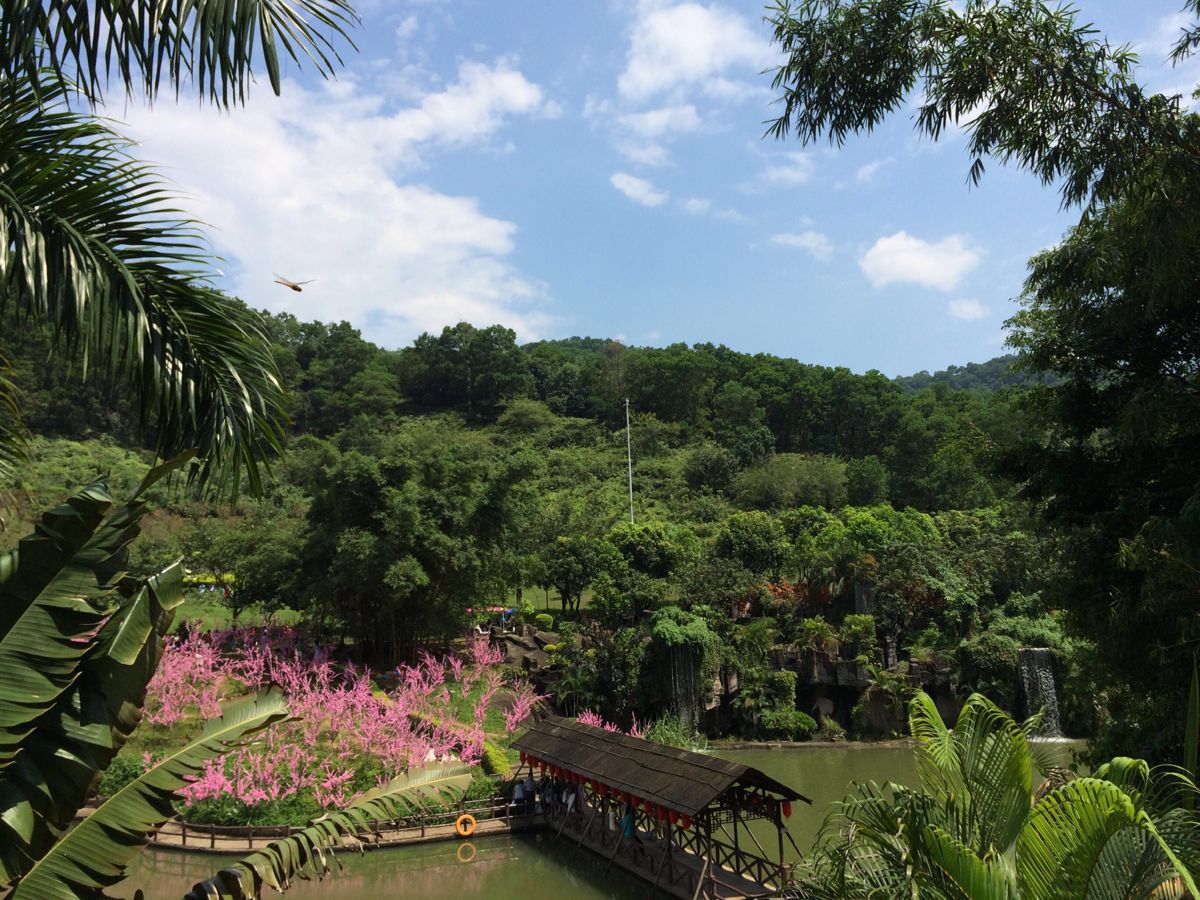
[
  {"x": 683, "y": 686},
  {"x": 1037, "y": 687}
]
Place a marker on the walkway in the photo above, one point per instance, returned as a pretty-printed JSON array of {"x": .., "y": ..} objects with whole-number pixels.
[
  {"x": 664, "y": 865},
  {"x": 491, "y": 818}
]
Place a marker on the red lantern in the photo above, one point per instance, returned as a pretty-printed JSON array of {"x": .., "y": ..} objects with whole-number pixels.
[
  {"x": 523, "y": 757},
  {"x": 673, "y": 815},
  {"x": 662, "y": 813},
  {"x": 686, "y": 822},
  {"x": 634, "y": 801},
  {"x": 787, "y": 809}
]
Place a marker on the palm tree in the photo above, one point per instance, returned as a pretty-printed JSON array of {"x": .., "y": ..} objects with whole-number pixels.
[
  {"x": 976, "y": 829},
  {"x": 91, "y": 247}
]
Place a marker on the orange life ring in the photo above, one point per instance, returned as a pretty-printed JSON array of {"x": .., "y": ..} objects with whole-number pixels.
[
  {"x": 465, "y": 826},
  {"x": 467, "y": 857}
]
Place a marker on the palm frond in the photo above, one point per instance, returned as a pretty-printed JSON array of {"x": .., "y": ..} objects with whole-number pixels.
[
  {"x": 310, "y": 851},
  {"x": 94, "y": 854},
  {"x": 144, "y": 45},
  {"x": 1062, "y": 849},
  {"x": 13, "y": 437},
  {"x": 960, "y": 873},
  {"x": 97, "y": 251}
]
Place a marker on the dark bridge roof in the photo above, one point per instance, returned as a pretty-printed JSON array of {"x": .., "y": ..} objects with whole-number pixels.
[{"x": 678, "y": 779}]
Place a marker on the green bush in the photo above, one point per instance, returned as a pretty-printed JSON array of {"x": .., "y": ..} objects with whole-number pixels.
[
  {"x": 671, "y": 730},
  {"x": 543, "y": 621},
  {"x": 297, "y": 810},
  {"x": 815, "y": 633},
  {"x": 786, "y": 724},
  {"x": 124, "y": 768},
  {"x": 831, "y": 730},
  {"x": 988, "y": 665},
  {"x": 495, "y": 761},
  {"x": 858, "y": 637}
]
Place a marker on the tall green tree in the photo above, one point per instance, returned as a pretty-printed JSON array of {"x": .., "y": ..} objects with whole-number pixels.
[{"x": 1110, "y": 313}]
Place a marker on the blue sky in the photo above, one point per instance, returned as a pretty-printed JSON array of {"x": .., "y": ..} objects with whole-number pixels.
[{"x": 598, "y": 168}]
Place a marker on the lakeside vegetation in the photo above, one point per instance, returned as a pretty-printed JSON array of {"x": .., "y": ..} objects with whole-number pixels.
[{"x": 880, "y": 527}]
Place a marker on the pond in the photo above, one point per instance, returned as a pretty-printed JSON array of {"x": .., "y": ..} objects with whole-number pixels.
[
  {"x": 825, "y": 773},
  {"x": 531, "y": 867},
  {"x": 528, "y": 867}
]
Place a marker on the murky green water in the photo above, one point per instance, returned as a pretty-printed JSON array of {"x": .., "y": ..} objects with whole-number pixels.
[
  {"x": 533, "y": 867},
  {"x": 523, "y": 867},
  {"x": 825, "y": 774}
]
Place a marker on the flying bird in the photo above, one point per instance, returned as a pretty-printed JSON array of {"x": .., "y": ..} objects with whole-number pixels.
[{"x": 288, "y": 283}]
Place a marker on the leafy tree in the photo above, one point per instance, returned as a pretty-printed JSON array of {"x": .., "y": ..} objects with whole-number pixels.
[
  {"x": 710, "y": 467},
  {"x": 1109, "y": 316},
  {"x": 651, "y": 548},
  {"x": 575, "y": 562},
  {"x": 792, "y": 479},
  {"x": 866, "y": 481},
  {"x": 754, "y": 540},
  {"x": 401, "y": 540}
]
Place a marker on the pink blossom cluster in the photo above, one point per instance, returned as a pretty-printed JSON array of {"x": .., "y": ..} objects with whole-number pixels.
[
  {"x": 341, "y": 723},
  {"x": 588, "y": 717}
]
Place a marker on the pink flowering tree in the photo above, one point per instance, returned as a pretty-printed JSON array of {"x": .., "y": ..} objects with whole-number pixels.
[{"x": 346, "y": 734}]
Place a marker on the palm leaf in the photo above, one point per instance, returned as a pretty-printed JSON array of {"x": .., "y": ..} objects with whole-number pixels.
[
  {"x": 143, "y": 44},
  {"x": 96, "y": 251},
  {"x": 14, "y": 447},
  {"x": 310, "y": 851},
  {"x": 960, "y": 873},
  {"x": 1061, "y": 852},
  {"x": 94, "y": 854}
]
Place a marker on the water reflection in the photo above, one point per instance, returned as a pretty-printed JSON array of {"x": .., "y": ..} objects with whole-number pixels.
[{"x": 528, "y": 867}]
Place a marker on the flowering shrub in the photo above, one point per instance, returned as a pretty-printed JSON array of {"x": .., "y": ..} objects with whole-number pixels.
[{"x": 345, "y": 735}]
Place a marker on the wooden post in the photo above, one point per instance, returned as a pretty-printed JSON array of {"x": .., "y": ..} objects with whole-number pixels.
[
  {"x": 779, "y": 835},
  {"x": 183, "y": 833},
  {"x": 737, "y": 850},
  {"x": 712, "y": 876},
  {"x": 250, "y": 839},
  {"x": 212, "y": 836}
]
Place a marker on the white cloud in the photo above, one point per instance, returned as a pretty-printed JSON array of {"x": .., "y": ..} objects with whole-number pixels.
[
  {"x": 655, "y": 123},
  {"x": 641, "y": 135},
  {"x": 813, "y": 241},
  {"x": 407, "y": 28},
  {"x": 312, "y": 185},
  {"x": 682, "y": 44},
  {"x": 967, "y": 310},
  {"x": 638, "y": 189},
  {"x": 902, "y": 258},
  {"x": 702, "y": 206},
  {"x": 794, "y": 170},
  {"x": 866, "y": 173}
]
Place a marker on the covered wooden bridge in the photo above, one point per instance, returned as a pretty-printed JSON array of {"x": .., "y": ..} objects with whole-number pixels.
[{"x": 688, "y": 810}]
